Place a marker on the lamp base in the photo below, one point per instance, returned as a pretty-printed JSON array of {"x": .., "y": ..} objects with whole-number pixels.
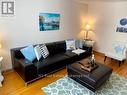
[
  {"x": 1, "y": 58},
  {"x": 87, "y": 39}
]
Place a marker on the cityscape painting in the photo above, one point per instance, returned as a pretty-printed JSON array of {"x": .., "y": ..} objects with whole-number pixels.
[{"x": 49, "y": 21}]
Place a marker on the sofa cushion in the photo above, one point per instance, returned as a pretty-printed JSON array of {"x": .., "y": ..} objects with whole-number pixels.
[
  {"x": 51, "y": 62},
  {"x": 60, "y": 47},
  {"x": 69, "y": 53},
  {"x": 75, "y": 57},
  {"x": 51, "y": 48},
  {"x": 72, "y": 56},
  {"x": 56, "y": 47}
]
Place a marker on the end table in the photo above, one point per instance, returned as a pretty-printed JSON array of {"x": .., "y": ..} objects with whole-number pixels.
[
  {"x": 1, "y": 76},
  {"x": 89, "y": 42}
]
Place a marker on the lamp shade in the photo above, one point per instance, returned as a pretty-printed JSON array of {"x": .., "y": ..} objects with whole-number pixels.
[{"x": 87, "y": 27}]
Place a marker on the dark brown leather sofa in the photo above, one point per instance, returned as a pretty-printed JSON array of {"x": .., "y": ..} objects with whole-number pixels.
[{"x": 57, "y": 59}]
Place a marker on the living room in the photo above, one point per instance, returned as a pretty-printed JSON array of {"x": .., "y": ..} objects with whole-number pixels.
[{"x": 21, "y": 28}]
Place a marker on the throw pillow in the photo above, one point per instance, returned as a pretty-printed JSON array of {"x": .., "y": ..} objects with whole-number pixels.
[
  {"x": 79, "y": 44},
  {"x": 38, "y": 52},
  {"x": 44, "y": 50},
  {"x": 70, "y": 44},
  {"x": 119, "y": 49},
  {"x": 29, "y": 53}
]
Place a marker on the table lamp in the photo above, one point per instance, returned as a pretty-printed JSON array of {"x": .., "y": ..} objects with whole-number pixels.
[{"x": 87, "y": 29}]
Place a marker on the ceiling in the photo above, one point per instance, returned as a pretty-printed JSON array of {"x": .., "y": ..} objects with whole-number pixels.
[{"x": 88, "y": 1}]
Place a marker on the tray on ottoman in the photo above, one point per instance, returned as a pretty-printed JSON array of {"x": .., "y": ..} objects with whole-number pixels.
[
  {"x": 88, "y": 66},
  {"x": 92, "y": 80}
]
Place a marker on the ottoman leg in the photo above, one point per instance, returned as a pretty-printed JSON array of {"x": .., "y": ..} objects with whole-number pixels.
[
  {"x": 119, "y": 63},
  {"x": 105, "y": 58}
]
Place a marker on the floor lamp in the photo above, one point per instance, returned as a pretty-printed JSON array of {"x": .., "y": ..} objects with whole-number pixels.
[
  {"x": 0, "y": 45},
  {"x": 1, "y": 58}
]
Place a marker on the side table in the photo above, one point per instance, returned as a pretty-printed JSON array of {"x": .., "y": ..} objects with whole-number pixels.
[
  {"x": 89, "y": 42},
  {"x": 1, "y": 76}
]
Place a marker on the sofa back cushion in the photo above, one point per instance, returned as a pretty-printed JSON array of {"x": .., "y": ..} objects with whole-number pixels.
[
  {"x": 56, "y": 47},
  {"x": 60, "y": 46},
  {"x": 51, "y": 48}
]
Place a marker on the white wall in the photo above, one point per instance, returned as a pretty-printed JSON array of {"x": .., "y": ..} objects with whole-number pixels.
[
  {"x": 23, "y": 28},
  {"x": 105, "y": 16}
]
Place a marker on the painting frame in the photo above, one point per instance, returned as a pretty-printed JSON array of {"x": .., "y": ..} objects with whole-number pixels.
[
  {"x": 49, "y": 21},
  {"x": 122, "y": 25}
]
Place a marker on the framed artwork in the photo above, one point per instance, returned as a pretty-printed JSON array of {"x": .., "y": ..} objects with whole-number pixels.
[
  {"x": 49, "y": 21},
  {"x": 122, "y": 25}
]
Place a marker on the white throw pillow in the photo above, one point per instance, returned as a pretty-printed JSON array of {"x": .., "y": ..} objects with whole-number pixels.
[
  {"x": 120, "y": 49},
  {"x": 38, "y": 52},
  {"x": 44, "y": 50},
  {"x": 70, "y": 44},
  {"x": 79, "y": 43}
]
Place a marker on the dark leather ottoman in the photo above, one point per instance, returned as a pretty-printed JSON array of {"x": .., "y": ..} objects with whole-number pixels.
[{"x": 92, "y": 80}]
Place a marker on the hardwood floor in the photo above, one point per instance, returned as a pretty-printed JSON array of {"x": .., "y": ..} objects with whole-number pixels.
[{"x": 14, "y": 85}]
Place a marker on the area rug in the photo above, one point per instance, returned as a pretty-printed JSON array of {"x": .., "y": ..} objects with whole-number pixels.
[{"x": 116, "y": 85}]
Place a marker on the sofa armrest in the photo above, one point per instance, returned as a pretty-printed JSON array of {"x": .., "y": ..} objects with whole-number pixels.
[
  {"x": 15, "y": 54},
  {"x": 26, "y": 69}
]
